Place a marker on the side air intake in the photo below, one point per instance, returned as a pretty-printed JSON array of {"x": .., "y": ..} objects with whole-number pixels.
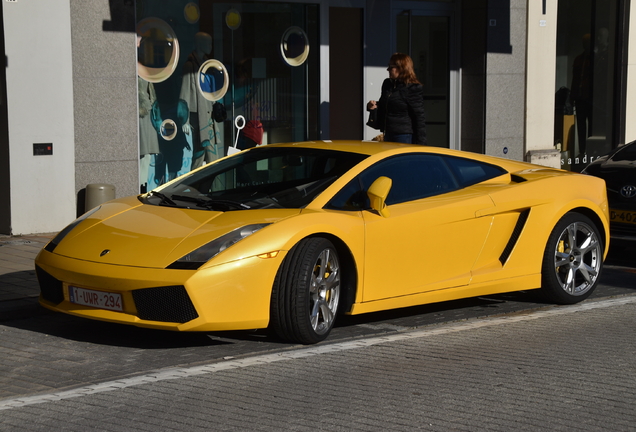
[{"x": 514, "y": 237}]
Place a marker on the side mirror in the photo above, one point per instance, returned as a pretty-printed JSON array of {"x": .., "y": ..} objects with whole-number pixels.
[{"x": 378, "y": 191}]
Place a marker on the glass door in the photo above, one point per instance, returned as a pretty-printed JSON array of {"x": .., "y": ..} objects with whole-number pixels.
[
  {"x": 587, "y": 59},
  {"x": 425, "y": 33}
]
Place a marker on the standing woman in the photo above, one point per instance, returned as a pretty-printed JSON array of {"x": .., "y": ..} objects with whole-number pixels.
[{"x": 400, "y": 112}]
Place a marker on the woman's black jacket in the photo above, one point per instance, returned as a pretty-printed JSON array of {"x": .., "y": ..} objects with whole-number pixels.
[{"x": 401, "y": 110}]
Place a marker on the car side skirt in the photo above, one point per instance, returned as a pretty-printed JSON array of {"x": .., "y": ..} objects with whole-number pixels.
[{"x": 487, "y": 288}]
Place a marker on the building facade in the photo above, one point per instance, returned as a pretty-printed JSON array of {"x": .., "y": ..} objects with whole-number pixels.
[{"x": 132, "y": 93}]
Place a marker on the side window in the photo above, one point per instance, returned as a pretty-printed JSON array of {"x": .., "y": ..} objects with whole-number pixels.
[
  {"x": 470, "y": 172},
  {"x": 414, "y": 176},
  {"x": 350, "y": 198}
]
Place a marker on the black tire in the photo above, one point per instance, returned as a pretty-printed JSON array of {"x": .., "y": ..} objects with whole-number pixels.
[
  {"x": 306, "y": 292},
  {"x": 572, "y": 261}
]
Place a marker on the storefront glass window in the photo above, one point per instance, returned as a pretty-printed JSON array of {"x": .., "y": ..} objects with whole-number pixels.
[
  {"x": 202, "y": 64},
  {"x": 585, "y": 65}
]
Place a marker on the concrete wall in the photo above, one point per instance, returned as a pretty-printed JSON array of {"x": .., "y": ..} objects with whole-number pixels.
[
  {"x": 539, "y": 121},
  {"x": 542, "y": 31},
  {"x": 40, "y": 110},
  {"x": 5, "y": 185},
  {"x": 105, "y": 101},
  {"x": 505, "y": 78},
  {"x": 72, "y": 82}
]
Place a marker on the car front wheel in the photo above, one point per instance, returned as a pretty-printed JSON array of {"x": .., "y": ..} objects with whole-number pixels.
[
  {"x": 306, "y": 292},
  {"x": 573, "y": 260}
]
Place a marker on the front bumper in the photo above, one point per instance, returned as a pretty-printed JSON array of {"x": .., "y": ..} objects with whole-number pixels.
[
  {"x": 622, "y": 222},
  {"x": 230, "y": 296}
]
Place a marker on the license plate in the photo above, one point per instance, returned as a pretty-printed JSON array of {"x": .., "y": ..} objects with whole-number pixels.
[
  {"x": 96, "y": 299},
  {"x": 622, "y": 216}
]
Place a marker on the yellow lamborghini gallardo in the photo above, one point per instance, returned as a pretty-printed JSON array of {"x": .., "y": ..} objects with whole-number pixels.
[{"x": 288, "y": 236}]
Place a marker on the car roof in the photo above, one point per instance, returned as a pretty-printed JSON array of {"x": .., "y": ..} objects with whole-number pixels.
[
  {"x": 361, "y": 147},
  {"x": 377, "y": 147}
]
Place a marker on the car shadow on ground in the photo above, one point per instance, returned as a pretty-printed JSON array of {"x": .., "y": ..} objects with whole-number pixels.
[
  {"x": 452, "y": 310},
  {"x": 618, "y": 278},
  {"x": 84, "y": 330},
  {"x": 111, "y": 334}
]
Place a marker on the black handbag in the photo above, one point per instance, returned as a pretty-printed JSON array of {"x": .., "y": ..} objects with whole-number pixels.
[
  {"x": 373, "y": 119},
  {"x": 218, "y": 112}
]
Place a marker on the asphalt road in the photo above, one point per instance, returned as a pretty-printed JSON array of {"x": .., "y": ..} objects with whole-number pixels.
[{"x": 44, "y": 355}]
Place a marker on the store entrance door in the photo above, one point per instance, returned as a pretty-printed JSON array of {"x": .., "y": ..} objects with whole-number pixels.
[{"x": 426, "y": 33}]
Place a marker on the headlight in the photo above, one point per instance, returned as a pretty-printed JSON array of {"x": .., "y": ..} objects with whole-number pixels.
[
  {"x": 205, "y": 253},
  {"x": 60, "y": 236}
]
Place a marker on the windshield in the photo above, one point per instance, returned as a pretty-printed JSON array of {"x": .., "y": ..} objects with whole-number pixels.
[
  {"x": 625, "y": 153},
  {"x": 264, "y": 177}
]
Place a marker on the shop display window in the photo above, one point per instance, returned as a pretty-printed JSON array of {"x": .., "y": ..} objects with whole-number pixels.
[
  {"x": 203, "y": 64},
  {"x": 585, "y": 74}
]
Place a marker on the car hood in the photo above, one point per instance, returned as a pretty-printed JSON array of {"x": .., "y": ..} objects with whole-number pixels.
[
  {"x": 143, "y": 235},
  {"x": 618, "y": 165}
]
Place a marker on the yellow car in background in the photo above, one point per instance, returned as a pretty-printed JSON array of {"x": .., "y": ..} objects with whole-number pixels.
[{"x": 288, "y": 236}]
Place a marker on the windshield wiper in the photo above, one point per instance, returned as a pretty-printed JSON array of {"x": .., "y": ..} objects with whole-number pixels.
[
  {"x": 235, "y": 204},
  {"x": 210, "y": 203},
  {"x": 164, "y": 198}
]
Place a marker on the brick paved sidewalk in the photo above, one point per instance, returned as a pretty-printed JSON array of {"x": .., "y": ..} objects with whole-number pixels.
[
  {"x": 19, "y": 288},
  {"x": 570, "y": 368}
]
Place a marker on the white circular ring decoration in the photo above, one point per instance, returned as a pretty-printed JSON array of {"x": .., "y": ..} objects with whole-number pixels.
[
  {"x": 294, "y": 46},
  {"x": 209, "y": 73},
  {"x": 239, "y": 122},
  {"x": 147, "y": 29},
  {"x": 168, "y": 129}
]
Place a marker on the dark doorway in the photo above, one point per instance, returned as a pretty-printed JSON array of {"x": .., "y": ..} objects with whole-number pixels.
[{"x": 345, "y": 74}]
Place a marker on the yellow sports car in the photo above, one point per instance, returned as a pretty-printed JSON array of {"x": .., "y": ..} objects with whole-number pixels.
[{"x": 287, "y": 236}]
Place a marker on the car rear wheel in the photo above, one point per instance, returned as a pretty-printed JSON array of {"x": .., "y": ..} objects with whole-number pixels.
[
  {"x": 306, "y": 292},
  {"x": 573, "y": 260}
]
